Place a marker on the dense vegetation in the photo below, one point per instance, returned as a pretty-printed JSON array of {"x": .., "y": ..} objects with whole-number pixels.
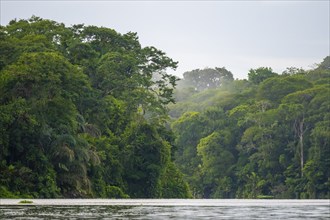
[
  {"x": 84, "y": 113},
  {"x": 265, "y": 137},
  {"x": 81, "y": 114}
]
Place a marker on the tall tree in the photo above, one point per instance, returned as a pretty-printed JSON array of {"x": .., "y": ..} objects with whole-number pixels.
[{"x": 258, "y": 75}]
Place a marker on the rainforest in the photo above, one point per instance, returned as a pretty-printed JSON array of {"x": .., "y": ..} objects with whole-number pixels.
[{"x": 87, "y": 112}]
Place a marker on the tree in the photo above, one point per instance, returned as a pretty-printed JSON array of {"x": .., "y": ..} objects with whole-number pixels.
[
  {"x": 66, "y": 122},
  {"x": 207, "y": 78},
  {"x": 274, "y": 89},
  {"x": 316, "y": 168},
  {"x": 217, "y": 157},
  {"x": 258, "y": 75},
  {"x": 325, "y": 64},
  {"x": 146, "y": 157},
  {"x": 278, "y": 129}
]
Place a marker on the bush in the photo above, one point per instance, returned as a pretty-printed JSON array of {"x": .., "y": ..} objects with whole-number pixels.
[{"x": 115, "y": 192}]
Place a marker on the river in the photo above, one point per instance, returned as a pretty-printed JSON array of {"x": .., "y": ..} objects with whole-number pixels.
[{"x": 164, "y": 209}]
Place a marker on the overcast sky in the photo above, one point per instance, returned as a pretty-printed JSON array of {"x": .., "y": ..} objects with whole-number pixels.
[{"x": 238, "y": 35}]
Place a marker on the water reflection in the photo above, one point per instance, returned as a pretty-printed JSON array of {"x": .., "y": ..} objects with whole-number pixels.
[{"x": 276, "y": 211}]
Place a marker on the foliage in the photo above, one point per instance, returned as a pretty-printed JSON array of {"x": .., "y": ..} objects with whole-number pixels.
[
  {"x": 80, "y": 113},
  {"x": 266, "y": 137},
  {"x": 84, "y": 112},
  {"x": 25, "y": 202},
  {"x": 260, "y": 74},
  {"x": 207, "y": 78}
]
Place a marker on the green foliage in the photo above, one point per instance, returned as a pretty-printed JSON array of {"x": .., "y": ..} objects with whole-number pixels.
[
  {"x": 207, "y": 78},
  {"x": 263, "y": 138},
  {"x": 84, "y": 113},
  {"x": 25, "y": 202},
  {"x": 80, "y": 113},
  {"x": 146, "y": 156},
  {"x": 115, "y": 192},
  {"x": 256, "y": 76},
  {"x": 217, "y": 163},
  {"x": 173, "y": 184},
  {"x": 5, "y": 193},
  {"x": 325, "y": 64},
  {"x": 274, "y": 89}
]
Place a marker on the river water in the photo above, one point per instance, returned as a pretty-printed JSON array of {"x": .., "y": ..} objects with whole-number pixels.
[{"x": 164, "y": 209}]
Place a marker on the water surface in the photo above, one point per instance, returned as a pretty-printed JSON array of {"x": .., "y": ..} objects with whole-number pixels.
[{"x": 164, "y": 209}]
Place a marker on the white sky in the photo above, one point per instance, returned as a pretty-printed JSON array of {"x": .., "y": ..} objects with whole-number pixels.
[{"x": 238, "y": 35}]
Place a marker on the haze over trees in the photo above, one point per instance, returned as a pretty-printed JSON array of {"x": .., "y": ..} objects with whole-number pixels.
[
  {"x": 207, "y": 78},
  {"x": 265, "y": 137},
  {"x": 88, "y": 112}
]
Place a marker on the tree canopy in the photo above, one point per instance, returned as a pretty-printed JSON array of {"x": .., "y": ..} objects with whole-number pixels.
[
  {"x": 88, "y": 112},
  {"x": 80, "y": 115},
  {"x": 208, "y": 78},
  {"x": 265, "y": 137}
]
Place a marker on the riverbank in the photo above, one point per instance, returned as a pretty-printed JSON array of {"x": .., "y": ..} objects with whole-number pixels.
[{"x": 163, "y": 202}]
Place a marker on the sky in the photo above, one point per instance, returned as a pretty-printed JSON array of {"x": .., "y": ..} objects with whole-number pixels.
[{"x": 238, "y": 35}]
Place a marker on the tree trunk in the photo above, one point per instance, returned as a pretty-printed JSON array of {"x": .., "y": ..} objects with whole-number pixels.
[
  {"x": 300, "y": 131},
  {"x": 301, "y": 143}
]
